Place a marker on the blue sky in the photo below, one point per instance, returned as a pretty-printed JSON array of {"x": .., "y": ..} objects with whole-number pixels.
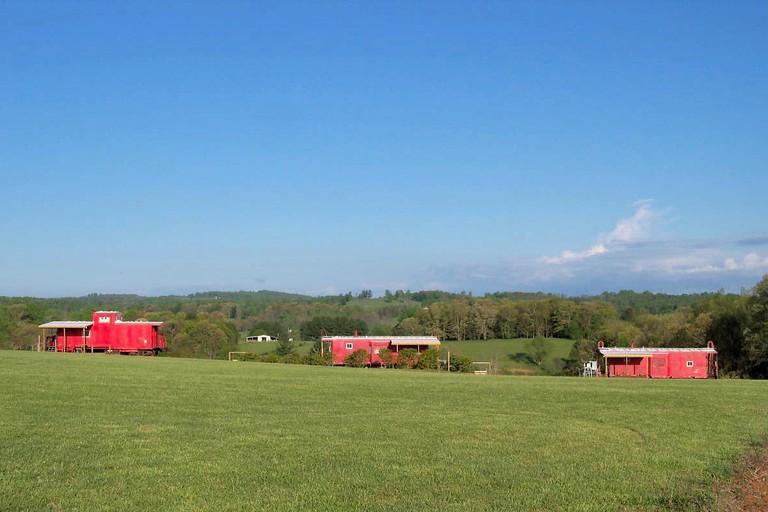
[{"x": 320, "y": 147}]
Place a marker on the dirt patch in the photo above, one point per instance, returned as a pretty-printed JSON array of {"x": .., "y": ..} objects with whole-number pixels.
[{"x": 748, "y": 491}]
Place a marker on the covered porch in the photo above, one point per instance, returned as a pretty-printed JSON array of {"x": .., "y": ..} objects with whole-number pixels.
[
  {"x": 63, "y": 336},
  {"x": 419, "y": 343}
]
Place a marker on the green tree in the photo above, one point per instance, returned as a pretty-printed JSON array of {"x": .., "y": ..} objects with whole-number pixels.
[
  {"x": 538, "y": 349},
  {"x": 582, "y": 350},
  {"x": 483, "y": 317},
  {"x": 506, "y": 320},
  {"x": 756, "y": 333},
  {"x": 729, "y": 322},
  {"x": 592, "y": 315},
  {"x": 203, "y": 337},
  {"x": 285, "y": 346},
  {"x": 564, "y": 317},
  {"x": 319, "y": 326},
  {"x": 23, "y": 336},
  {"x": 409, "y": 327},
  {"x": 459, "y": 317},
  {"x": 526, "y": 325},
  {"x": 620, "y": 333}
]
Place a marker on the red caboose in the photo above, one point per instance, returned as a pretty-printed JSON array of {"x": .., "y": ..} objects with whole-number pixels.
[
  {"x": 342, "y": 346},
  {"x": 107, "y": 332},
  {"x": 660, "y": 363}
]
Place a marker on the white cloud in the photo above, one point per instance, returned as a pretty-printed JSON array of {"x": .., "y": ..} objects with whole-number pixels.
[
  {"x": 754, "y": 261},
  {"x": 571, "y": 256},
  {"x": 626, "y": 258},
  {"x": 635, "y": 228}
]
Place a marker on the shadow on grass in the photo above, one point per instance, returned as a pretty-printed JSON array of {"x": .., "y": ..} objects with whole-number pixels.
[{"x": 521, "y": 357}]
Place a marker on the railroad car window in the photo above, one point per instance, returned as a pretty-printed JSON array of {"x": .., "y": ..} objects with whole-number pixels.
[
  {"x": 689, "y": 364},
  {"x": 349, "y": 346}
]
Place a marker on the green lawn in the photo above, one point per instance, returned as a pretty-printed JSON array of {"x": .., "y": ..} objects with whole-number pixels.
[
  {"x": 101, "y": 432},
  {"x": 507, "y": 356}
]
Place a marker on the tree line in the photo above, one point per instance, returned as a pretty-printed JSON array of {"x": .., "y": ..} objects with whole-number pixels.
[{"x": 210, "y": 324}]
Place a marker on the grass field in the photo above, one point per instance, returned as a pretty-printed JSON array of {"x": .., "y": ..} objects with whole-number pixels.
[
  {"x": 270, "y": 346},
  {"x": 100, "y": 432},
  {"x": 507, "y": 356}
]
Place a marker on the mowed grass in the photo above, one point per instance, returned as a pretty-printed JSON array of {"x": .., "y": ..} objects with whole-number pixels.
[{"x": 100, "y": 432}]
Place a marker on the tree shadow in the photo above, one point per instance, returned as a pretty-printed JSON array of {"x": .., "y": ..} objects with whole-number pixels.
[{"x": 521, "y": 357}]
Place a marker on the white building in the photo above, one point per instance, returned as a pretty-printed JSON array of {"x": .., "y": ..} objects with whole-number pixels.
[{"x": 260, "y": 338}]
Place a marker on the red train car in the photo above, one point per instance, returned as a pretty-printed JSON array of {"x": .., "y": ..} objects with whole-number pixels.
[
  {"x": 342, "y": 346},
  {"x": 660, "y": 363},
  {"x": 107, "y": 332}
]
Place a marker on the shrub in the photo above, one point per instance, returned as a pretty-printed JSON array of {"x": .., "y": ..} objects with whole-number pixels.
[
  {"x": 248, "y": 356},
  {"x": 271, "y": 357},
  {"x": 293, "y": 359},
  {"x": 357, "y": 359},
  {"x": 429, "y": 360},
  {"x": 387, "y": 357},
  {"x": 313, "y": 359},
  {"x": 461, "y": 364},
  {"x": 408, "y": 357}
]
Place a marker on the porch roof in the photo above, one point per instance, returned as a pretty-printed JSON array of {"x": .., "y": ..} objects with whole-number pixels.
[
  {"x": 66, "y": 324},
  {"x": 414, "y": 340},
  {"x": 627, "y": 354}
]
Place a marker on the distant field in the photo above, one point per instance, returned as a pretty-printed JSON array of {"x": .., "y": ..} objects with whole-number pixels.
[
  {"x": 507, "y": 356},
  {"x": 100, "y": 432},
  {"x": 270, "y": 346}
]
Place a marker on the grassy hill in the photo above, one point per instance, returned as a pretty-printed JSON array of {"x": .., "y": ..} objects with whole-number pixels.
[
  {"x": 99, "y": 432},
  {"x": 508, "y": 356},
  {"x": 270, "y": 346}
]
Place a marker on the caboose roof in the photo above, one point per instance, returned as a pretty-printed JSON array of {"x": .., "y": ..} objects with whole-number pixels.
[
  {"x": 395, "y": 340},
  {"x": 649, "y": 352},
  {"x": 66, "y": 324},
  {"x": 76, "y": 324}
]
